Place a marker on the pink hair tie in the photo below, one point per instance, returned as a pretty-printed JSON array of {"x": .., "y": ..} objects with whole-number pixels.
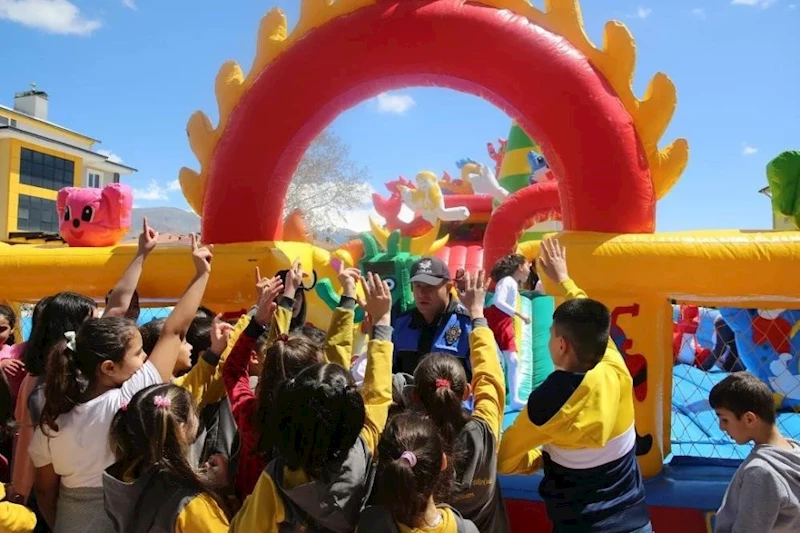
[
  {"x": 442, "y": 383},
  {"x": 124, "y": 406},
  {"x": 410, "y": 458},
  {"x": 162, "y": 401}
]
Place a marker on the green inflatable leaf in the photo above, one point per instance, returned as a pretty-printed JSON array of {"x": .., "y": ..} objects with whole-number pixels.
[{"x": 783, "y": 176}]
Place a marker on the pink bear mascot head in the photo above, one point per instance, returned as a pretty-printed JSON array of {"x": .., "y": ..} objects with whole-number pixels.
[{"x": 91, "y": 217}]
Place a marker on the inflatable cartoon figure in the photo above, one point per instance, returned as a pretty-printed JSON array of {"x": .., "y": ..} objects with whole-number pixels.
[
  {"x": 92, "y": 217},
  {"x": 484, "y": 182},
  {"x": 540, "y": 171},
  {"x": 768, "y": 342},
  {"x": 427, "y": 201}
]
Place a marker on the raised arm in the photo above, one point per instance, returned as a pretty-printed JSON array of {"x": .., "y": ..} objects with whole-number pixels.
[
  {"x": 177, "y": 324},
  {"x": 377, "y": 387},
  {"x": 488, "y": 381},
  {"x": 339, "y": 341},
  {"x": 119, "y": 301},
  {"x": 282, "y": 317}
]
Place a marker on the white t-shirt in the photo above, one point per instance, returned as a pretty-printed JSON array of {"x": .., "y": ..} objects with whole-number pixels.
[
  {"x": 79, "y": 450},
  {"x": 505, "y": 295}
]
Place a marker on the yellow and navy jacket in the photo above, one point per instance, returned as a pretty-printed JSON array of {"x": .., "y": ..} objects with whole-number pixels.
[
  {"x": 286, "y": 500},
  {"x": 378, "y": 519},
  {"x": 414, "y": 338},
  {"x": 15, "y": 518},
  {"x": 579, "y": 428},
  {"x": 156, "y": 502}
]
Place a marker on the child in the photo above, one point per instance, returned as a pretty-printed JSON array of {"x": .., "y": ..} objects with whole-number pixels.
[
  {"x": 764, "y": 494},
  {"x": 507, "y": 274},
  {"x": 470, "y": 441},
  {"x": 89, "y": 377},
  {"x": 412, "y": 469},
  {"x": 10, "y": 354},
  {"x": 579, "y": 423},
  {"x": 326, "y": 435},
  {"x": 279, "y": 358},
  {"x": 153, "y": 486}
]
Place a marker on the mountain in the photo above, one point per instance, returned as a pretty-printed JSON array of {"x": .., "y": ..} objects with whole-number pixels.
[{"x": 164, "y": 220}]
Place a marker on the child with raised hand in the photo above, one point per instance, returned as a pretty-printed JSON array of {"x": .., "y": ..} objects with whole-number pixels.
[
  {"x": 412, "y": 472},
  {"x": 508, "y": 273},
  {"x": 764, "y": 494},
  {"x": 471, "y": 441},
  {"x": 90, "y": 376},
  {"x": 326, "y": 435},
  {"x": 122, "y": 301},
  {"x": 282, "y": 357},
  {"x": 579, "y": 423},
  {"x": 153, "y": 486}
]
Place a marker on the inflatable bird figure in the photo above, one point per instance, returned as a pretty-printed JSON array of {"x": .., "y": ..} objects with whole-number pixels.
[
  {"x": 539, "y": 167},
  {"x": 485, "y": 182},
  {"x": 427, "y": 200}
]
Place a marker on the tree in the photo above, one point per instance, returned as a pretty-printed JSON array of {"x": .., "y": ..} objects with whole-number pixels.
[
  {"x": 327, "y": 185},
  {"x": 783, "y": 175}
]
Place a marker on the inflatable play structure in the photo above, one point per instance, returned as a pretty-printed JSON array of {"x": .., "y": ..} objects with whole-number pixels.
[{"x": 596, "y": 168}]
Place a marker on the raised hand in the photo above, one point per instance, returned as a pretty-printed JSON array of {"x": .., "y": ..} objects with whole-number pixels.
[
  {"x": 148, "y": 239},
  {"x": 349, "y": 277},
  {"x": 201, "y": 256},
  {"x": 552, "y": 260},
  {"x": 269, "y": 289},
  {"x": 294, "y": 279},
  {"x": 220, "y": 334},
  {"x": 474, "y": 296},
  {"x": 379, "y": 300}
]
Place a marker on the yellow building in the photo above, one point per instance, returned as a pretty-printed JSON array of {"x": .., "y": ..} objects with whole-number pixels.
[{"x": 37, "y": 158}]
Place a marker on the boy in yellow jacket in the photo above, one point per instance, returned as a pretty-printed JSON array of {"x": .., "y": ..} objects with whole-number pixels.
[{"x": 578, "y": 425}]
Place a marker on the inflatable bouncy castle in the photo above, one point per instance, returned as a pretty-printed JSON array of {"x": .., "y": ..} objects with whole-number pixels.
[{"x": 584, "y": 151}]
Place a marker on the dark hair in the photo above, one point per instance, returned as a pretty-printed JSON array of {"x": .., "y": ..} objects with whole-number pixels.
[
  {"x": 38, "y": 309},
  {"x": 282, "y": 360},
  {"x": 65, "y": 311},
  {"x": 585, "y": 324},
  {"x": 71, "y": 373},
  {"x": 133, "y": 305},
  {"x": 440, "y": 382},
  {"x": 507, "y": 266},
  {"x": 11, "y": 318},
  {"x": 8, "y": 427},
  {"x": 533, "y": 279},
  {"x": 402, "y": 488},
  {"x": 312, "y": 333},
  {"x": 300, "y": 319},
  {"x": 199, "y": 336},
  {"x": 205, "y": 311},
  {"x": 318, "y": 417},
  {"x": 743, "y": 392},
  {"x": 144, "y": 435},
  {"x": 150, "y": 332}
]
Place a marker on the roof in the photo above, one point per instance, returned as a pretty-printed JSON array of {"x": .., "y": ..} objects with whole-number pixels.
[
  {"x": 67, "y": 145},
  {"x": 51, "y": 124}
]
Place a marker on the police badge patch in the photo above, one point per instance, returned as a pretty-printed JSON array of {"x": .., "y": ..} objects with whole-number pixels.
[{"x": 452, "y": 334}]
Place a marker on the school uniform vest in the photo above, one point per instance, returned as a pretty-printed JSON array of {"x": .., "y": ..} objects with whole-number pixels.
[
  {"x": 217, "y": 434},
  {"x": 414, "y": 338},
  {"x": 330, "y": 504},
  {"x": 149, "y": 504},
  {"x": 377, "y": 519},
  {"x": 476, "y": 494}
]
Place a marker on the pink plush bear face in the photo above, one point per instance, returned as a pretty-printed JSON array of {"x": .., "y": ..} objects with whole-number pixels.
[{"x": 94, "y": 217}]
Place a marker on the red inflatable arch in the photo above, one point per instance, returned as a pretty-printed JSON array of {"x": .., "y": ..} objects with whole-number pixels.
[{"x": 535, "y": 76}]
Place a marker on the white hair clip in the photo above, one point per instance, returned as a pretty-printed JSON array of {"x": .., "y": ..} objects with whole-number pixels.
[{"x": 71, "y": 342}]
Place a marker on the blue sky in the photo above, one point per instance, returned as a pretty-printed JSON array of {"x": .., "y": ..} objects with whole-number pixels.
[{"x": 130, "y": 72}]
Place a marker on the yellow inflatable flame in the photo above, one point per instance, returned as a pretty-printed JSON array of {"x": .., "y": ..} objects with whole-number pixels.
[{"x": 615, "y": 60}]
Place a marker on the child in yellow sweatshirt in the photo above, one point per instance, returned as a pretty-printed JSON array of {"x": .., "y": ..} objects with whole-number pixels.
[{"x": 578, "y": 425}]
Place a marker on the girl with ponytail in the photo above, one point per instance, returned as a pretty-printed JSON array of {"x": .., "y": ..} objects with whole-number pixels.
[
  {"x": 90, "y": 375},
  {"x": 152, "y": 486},
  {"x": 412, "y": 474},
  {"x": 470, "y": 441}
]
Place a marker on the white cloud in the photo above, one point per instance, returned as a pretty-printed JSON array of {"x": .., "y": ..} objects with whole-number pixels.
[
  {"x": 61, "y": 17},
  {"x": 152, "y": 193},
  {"x": 130, "y": 4},
  {"x": 699, "y": 12},
  {"x": 643, "y": 12},
  {"x": 763, "y": 4},
  {"x": 112, "y": 157},
  {"x": 174, "y": 185},
  {"x": 396, "y": 103},
  {"x": 791, "y": 6},
  {"x": 749, "y": 150}
]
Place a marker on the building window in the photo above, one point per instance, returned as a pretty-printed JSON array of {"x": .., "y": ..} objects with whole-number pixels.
[
  {"x": 93, "y": 180},
  {"x": 116, "y": 177},
  {"x": 46, "y": 171},
  {"x": 37, "y": 214},
  {"x": 3, "y": 121}
]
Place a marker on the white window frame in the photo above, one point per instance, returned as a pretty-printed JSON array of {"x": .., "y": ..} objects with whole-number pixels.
[{"x": 91, "y": 176}]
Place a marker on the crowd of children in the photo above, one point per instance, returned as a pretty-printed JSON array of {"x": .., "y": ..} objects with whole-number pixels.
[{"x": 190, "y": 424}]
